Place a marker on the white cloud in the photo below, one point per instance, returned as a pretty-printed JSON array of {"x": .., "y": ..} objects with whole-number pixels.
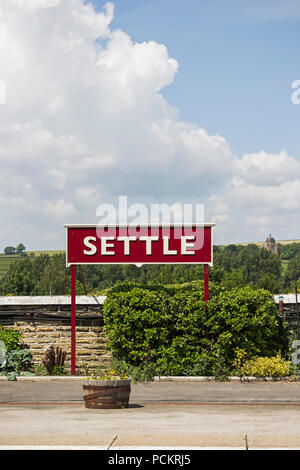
[
  {"x": 85, "y": 121},
  {"x": 267, "y": 169},
  {"x": 59, "y": 209}
]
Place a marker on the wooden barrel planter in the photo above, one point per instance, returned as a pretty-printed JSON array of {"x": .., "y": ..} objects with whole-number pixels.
[{"x": 106, "y": 394}]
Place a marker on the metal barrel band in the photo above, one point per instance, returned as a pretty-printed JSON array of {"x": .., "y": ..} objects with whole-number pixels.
[{"x": 100, "y": 395}]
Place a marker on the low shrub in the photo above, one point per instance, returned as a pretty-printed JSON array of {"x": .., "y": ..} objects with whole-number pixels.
[
  {"x": 40, "y": 369},
  {"x": 295, "y": 370},
  {"x": 267, "y": 367},
  {"x": 14, "y": 359},
  {"x": 239, "y": 362},
  {"x": 58, "y": 370},
  {"x": 18, "y": 360},
  {"x": 11, "y": 338}
]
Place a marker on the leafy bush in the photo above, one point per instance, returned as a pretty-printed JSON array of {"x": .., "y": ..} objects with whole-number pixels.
[
  {"x": 18, "y": 360},
  {"x": 40, "y": 369},
  {"x": 11, "y": 338},
  {"x": 246, "y": 319},
  {"x": 203, "y": 367},
  {"x": 267, "y": 367},
  {"x": 295, "y": 370},
  {"x": 170, "y": 329},
  {"x": 58, "y": 370},
  {"x": 146, "y": 325}
]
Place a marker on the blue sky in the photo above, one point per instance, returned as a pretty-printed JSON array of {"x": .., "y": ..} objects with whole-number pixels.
[
  {"x": 237, "y": 62},
  {"x": 161, "y": 100}
]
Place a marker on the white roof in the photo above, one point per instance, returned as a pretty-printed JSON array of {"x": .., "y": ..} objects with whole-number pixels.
[
  {"x": 287, "y": 298},
  {"x": 52, "y": 300},
  {"x": 90, "y": 300}
]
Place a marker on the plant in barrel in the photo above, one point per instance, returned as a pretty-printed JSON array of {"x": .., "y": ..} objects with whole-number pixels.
[{"x": 107, "y": 390}]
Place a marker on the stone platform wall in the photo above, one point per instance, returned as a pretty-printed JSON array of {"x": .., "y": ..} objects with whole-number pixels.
[{"x": 46, "y": 321}]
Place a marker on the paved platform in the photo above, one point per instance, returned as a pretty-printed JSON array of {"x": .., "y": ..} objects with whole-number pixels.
[
  {"x": 163, "y": 426},
  {"x": 68, "y": 391},
  {"x": 161, "y": 414}
]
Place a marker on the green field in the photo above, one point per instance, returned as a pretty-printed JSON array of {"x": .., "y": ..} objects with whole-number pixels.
[
  {"x": 281, "y": 242},
  {"x": 7, "y": 260},
  {"x": 45, "y": 252}
]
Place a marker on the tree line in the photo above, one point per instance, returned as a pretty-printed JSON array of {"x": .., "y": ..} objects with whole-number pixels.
[
  {"x": 15, "y": 250},
  {"x": 234, "y": 266}
]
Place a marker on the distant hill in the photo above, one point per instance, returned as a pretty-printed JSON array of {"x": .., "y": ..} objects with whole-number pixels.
[
  {"x": 284, "y": 263},
  {"x": 281, "y": 242},
  {"x": 6, "y": 260},
  {"x": 45, "y": 252}
]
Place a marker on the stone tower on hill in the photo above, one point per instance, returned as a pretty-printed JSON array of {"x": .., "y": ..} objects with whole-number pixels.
[{"x": 270, "y": 245}]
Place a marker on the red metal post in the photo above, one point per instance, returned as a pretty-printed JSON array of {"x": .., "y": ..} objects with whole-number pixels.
[
  {"x": 281, "y": 307},
  {"x": 206, "y": 294},
  {"x": 73, "y": 319},
  {"x": 206, "y": 283}
]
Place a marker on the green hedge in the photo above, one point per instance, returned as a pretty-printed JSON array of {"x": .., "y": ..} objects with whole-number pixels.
[
  {"x": 247, "y": 319},
  {"x": 171, "y": 328}
]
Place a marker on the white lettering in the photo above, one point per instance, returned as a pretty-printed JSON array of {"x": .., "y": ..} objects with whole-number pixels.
[
  {"x": 149, "y": 241},
  {"x": 187, "y": 248},
  {"x": 92, "y": 248},
  {"x": 126, "y": 241},
  {"x": 167, "y": 251},
  {"x": 108, "y": 245},
  {"x": 105, "y": 246},
  {"x": 120, "y": 460}
]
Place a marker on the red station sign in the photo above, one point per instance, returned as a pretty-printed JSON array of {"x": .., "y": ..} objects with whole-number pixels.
[{"x": 92, "y": 244}]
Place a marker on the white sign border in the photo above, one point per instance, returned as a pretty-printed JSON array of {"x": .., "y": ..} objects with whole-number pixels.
[{"x": 69, "y": 226}]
